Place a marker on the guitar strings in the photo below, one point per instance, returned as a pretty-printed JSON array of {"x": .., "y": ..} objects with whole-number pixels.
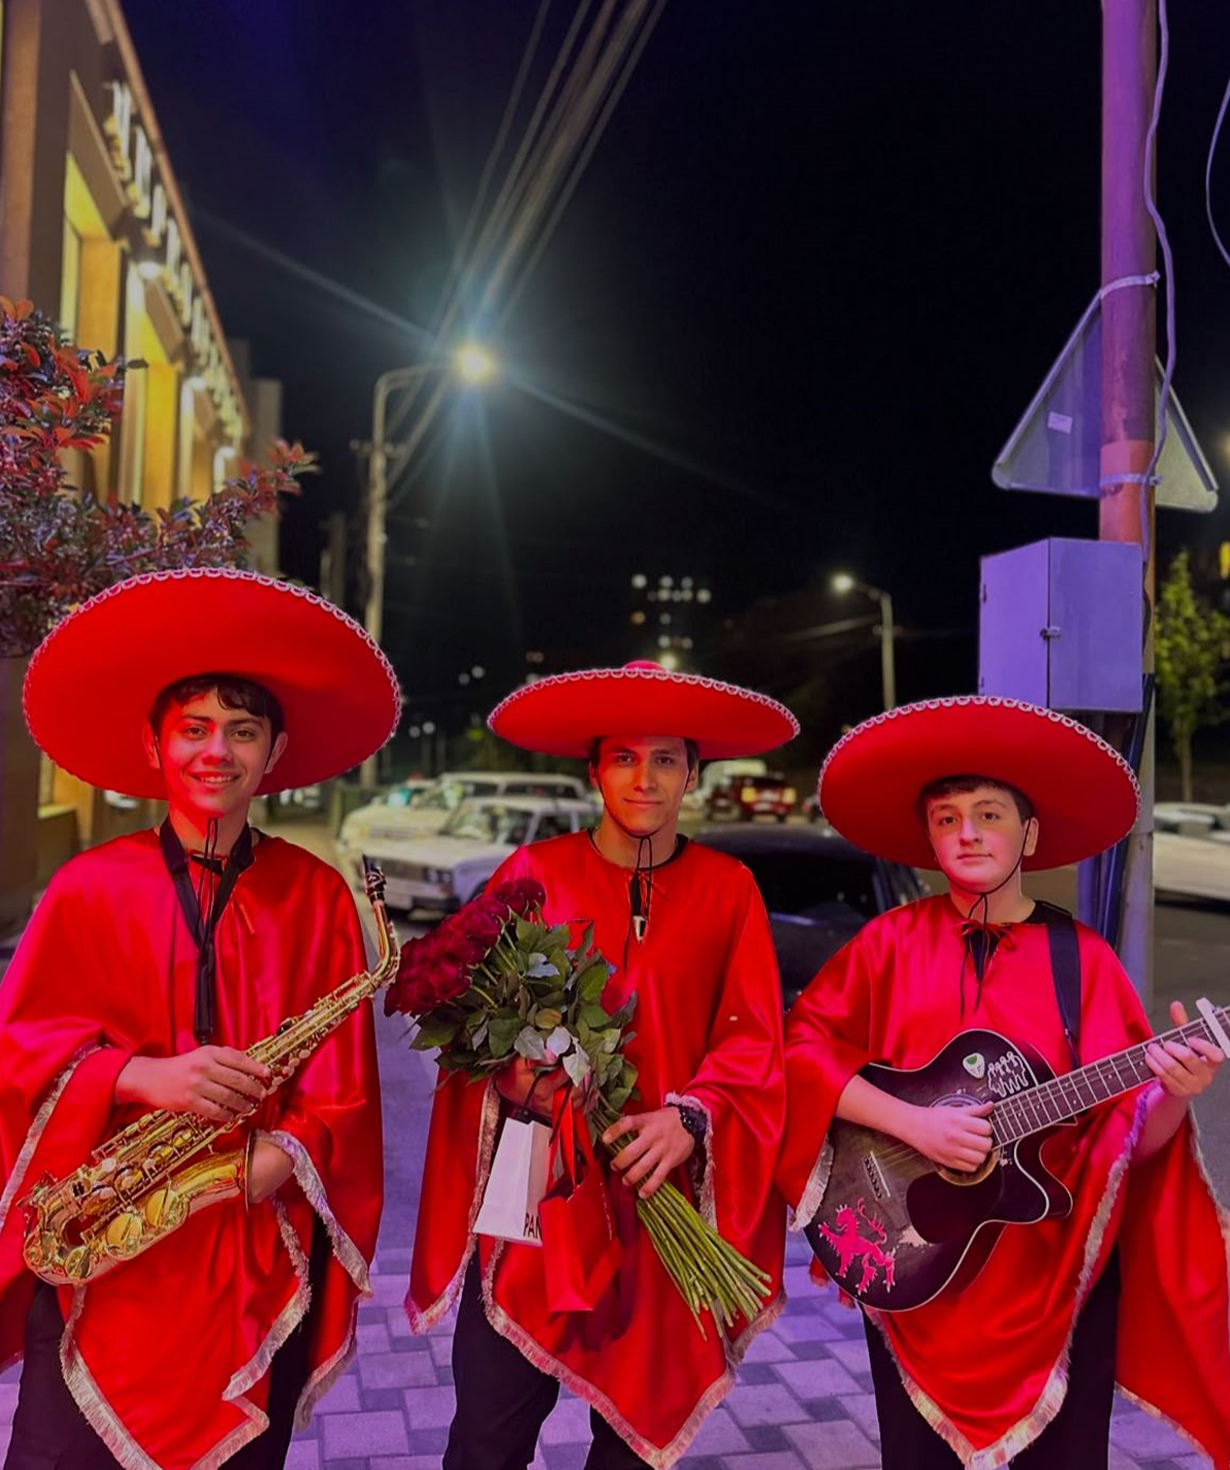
[{"x": 1010, "y": 1107}]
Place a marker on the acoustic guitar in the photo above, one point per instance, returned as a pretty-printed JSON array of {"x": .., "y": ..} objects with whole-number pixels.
[{"x": 895, "y": 1229}]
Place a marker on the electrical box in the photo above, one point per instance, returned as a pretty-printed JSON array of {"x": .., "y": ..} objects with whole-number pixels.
[{"x": 1060, "y": 625}]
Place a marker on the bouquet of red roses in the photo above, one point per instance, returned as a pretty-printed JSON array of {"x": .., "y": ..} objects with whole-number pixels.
[{"x": 495, "y": 981}]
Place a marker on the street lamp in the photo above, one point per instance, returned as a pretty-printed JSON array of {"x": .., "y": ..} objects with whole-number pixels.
[
  {"x": 843, "y": 582},
  {"x": 472, "y": 364}
]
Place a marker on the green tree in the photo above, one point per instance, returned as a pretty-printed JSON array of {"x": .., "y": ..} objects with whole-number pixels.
[{"x": 1191, "y": 644}]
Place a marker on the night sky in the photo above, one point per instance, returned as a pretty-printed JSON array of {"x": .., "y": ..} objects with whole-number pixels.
[{"x": 820, "y": 262}]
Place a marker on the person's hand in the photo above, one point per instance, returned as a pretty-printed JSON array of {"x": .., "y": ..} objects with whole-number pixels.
[
  {"x": 1183, "y": 1070},
  {"x": 515, "y": 1082},
  {"x": 215, "y": 1082},
  {"x": 659, "y": 1144},
  {"x": 269, "y": 1167},
  {"x": 953, "y": 1137}
]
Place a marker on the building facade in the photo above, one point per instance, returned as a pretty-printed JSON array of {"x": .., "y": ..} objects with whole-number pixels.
[{"x": 94, "y": 231}]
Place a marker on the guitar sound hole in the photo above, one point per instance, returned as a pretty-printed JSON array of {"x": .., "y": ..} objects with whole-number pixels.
[{"x": 941, "y": 1211}]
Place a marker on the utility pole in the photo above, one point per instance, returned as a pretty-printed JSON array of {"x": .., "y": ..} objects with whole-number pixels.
[
  {"x": 888, "y": 671},
  {"x": 1129, "y": 351}
]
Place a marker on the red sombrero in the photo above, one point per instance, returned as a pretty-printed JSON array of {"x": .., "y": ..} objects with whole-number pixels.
[
  {"x": 92, "y": 680},
  {"x": 565, "y": 713},
  {"x": 1083, "y": 792}
]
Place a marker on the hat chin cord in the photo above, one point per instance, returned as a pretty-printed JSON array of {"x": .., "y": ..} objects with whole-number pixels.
[{"x": 984, "y": 898}]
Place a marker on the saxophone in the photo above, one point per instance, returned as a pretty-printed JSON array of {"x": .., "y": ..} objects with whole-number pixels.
[{"x": 146, "y": 1180}]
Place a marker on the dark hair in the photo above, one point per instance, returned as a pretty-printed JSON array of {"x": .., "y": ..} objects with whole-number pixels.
[
  {"x": 690, "y": 747},
  {"x": 952, "y": 785},
  {"x": 232, "y": 692}
]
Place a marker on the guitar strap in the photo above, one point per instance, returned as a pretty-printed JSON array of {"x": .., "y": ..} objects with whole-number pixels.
[{"x": 1065, "y": 971}]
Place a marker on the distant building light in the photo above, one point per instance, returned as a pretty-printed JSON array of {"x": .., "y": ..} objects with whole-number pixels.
[
  {"x": 687, "y": 642},
  {"x": 415, "y": 732},
  {"x": 663, "y": 641},
  {"x": 638, "y": 617},
  {"x": 640, "y": 580},
  {"x": 429, "y": 727},
  {"x": 685, "y": 582},
  {"x": 463, "y": 678},
  {"x": 477, "y": 672},
  {"x": 664, "y": 619},
  {"x": 704, "y": 595},
  {"x": 687, "y": 594},
  {"x": 665, "y": 582},
  {"x": 669, "y": 661}
]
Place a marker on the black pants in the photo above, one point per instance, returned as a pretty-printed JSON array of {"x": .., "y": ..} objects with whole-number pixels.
[
  {"x": 51, "y": 1433},
  {"x": 502, "y": 1400},
  {"x": 1076, "y": 1439}
]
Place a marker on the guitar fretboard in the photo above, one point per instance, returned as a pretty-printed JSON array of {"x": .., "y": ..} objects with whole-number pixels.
[{"x": 1075, "y": 1092}]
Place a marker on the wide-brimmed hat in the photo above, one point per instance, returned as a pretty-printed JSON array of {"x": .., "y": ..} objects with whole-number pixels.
[
  {"x": 93, "y": 680},
  {"x": 564, "y": 713},
  {"x": 1083, "y": 792}
]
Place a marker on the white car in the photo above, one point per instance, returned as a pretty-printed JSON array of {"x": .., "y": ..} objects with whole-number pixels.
[
  {"x": 441, "y": 871},
  {"x": 429, "y": 809},
  {"x": 1193, "y": 867}
]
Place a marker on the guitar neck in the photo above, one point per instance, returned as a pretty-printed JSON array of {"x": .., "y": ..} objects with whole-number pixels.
[{"x": 1072, "y": 1093}]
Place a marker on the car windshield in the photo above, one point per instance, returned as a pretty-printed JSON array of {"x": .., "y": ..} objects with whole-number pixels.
[
  {"x": 812, "y": 885},
  {"x": 449, "y": 795},
  {"x": 488, "y": 823}
]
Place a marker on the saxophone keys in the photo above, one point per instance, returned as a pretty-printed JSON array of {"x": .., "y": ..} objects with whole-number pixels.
[
  {"x": 97, "y": 1201},
  {"x": 165, "y": 1209},
  {"x": 122, "y": 1236},
  {"x": 78, "y": 1263}
]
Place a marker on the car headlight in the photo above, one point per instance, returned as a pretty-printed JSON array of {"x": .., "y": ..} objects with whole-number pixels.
[{"x": 790, "y": 796}]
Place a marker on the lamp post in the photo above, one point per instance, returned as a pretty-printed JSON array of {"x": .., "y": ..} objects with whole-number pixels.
[
  {"x": 474, "y": 365},
  {"x": 844, "y": 582}
]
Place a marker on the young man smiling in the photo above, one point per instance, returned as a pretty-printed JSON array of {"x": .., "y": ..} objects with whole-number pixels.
[
  {"x": 150, "y": 965},
  {"x": 1020, "y": 1363},
  {"x": 687, "y": 931}
]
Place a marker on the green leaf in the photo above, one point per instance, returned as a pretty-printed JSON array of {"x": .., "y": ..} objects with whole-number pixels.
[
  {"x": 501, "y": 1033},
  {"x": 576, "y": 1064},
  {"x": 595, "y": 1016},
  {"x": 592, "y": 982},
  {"x": 548, "y": 1018},
  {"x": 530, "y": 1045},
  {"x": 435, "y": 1031}
]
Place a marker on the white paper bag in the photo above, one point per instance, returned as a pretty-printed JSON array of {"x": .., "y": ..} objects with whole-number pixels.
[{"x": 516, "y": 1184}]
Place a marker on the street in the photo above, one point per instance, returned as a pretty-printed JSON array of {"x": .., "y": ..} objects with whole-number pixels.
[{"x": 804, "y": 1394}]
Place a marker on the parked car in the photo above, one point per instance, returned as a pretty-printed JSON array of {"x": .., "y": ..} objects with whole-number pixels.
[
  {"x": 818, "y": 888},
  {"x": 1191, "y": 818},
  {"x": 440, "y": 871},
  {"x": 1192, "y": 867},
  {"x": 429, "y": 809},
  {"x": 748, "y": 797},
  {"x": 716, "y": 773}
]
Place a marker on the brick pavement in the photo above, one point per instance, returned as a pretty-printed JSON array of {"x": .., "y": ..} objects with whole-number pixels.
[{"x": 803, "y": 1400}]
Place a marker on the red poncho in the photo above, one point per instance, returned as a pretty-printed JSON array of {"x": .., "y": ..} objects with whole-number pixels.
[
  {"x": 168, "y": 1355},
  {"x": 987, "y": 1366},
  {"x": 708, "y": 1032}
]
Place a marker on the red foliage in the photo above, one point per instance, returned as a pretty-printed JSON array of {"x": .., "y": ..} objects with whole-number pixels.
[{"x": 62, "y": 545}]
